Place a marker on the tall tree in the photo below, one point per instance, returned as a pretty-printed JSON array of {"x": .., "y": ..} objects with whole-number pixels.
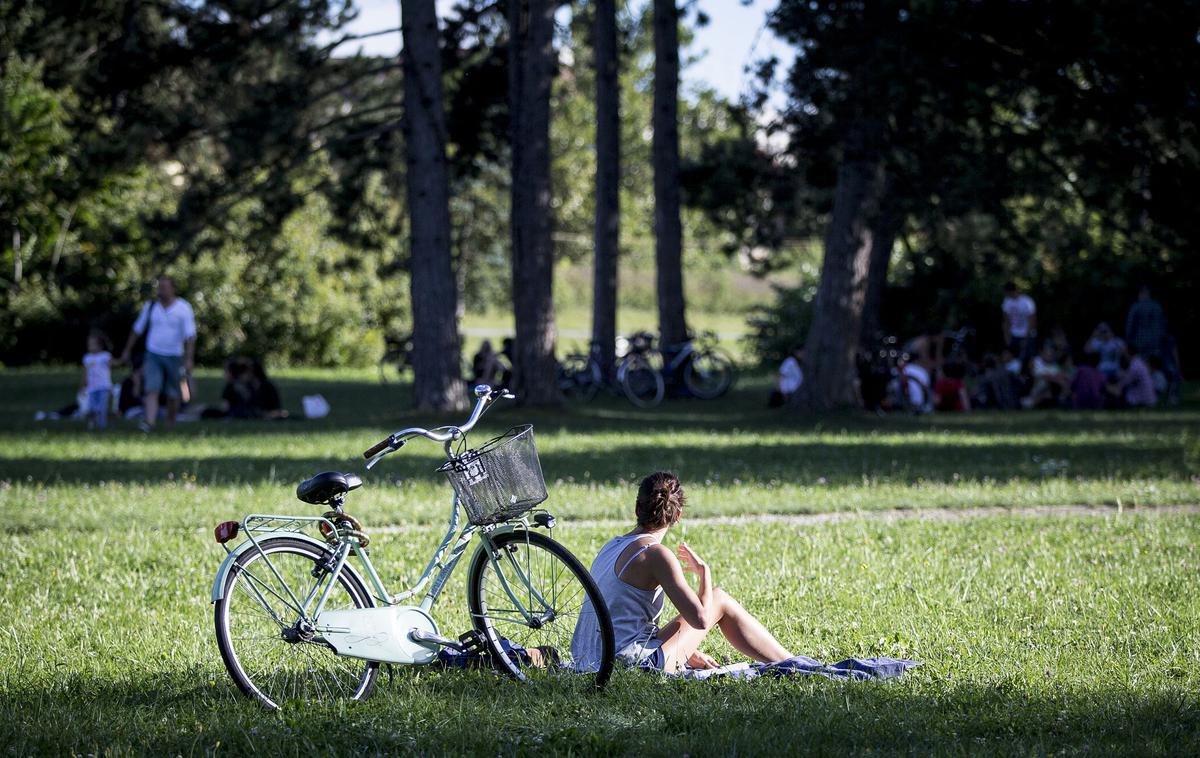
[
  {"x": 437, "y": 381},
  {"x": 531, "y": 68},
  {"x": 837, "y": 311},
  {"x": 668, "y": 228},
  {"x": 608, "y": 178}
]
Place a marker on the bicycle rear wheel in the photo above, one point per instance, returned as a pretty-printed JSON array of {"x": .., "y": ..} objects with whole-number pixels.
[
  {"x": 271, "y": 656},
  {"x": 640, "y": 381},
  {"x": 708, "y": 374},
  {"x": 526, "y": 604}
]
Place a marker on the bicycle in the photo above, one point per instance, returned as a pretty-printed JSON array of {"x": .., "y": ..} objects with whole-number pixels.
[
  {"x": 295, "y": 619},
  {"x": 580, "y": 377},
  {"x": 396, "y": 352},
  {"x": 706, "y": 372}
]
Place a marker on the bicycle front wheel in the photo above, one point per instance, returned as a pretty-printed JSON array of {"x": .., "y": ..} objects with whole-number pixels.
[
  {"x": 527, "y": 594},
  {"x": 272, "y": 655},
  {"x": 642, "y": 383},
  {"x": 708, "y": 375},
  {"x": 578, "y": 378}
]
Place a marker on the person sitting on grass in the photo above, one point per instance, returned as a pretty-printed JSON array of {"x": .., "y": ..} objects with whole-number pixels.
[
  {"x": 791, "y": 376},
  {"x": 1087, "y": 384},
  {"x": 267, "y": 403},
  {"x": 1051, "y": 381},
  {"x": 635, "y": 570},
  {"x": 1135, "y": 388},
  {"x": 950, "y": 391}
]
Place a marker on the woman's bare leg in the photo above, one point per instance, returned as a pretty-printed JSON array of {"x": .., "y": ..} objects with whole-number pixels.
[
  {"x": 747, "y": 635},
  {"x": 679, "y": 641}
]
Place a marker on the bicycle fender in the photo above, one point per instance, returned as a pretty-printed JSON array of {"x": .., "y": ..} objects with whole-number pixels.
[{"x": 218, "y": 588}]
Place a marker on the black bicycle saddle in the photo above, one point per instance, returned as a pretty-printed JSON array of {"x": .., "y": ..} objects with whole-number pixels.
[{"x": 326, "y": 486}]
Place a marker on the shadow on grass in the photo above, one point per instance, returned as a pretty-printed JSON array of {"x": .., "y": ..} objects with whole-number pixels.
[
  {"x": 470, "y": 712},
  {"x": 734, "y": 461}
]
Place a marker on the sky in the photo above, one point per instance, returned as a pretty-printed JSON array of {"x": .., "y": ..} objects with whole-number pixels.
[{"x": 734, "y": 37}]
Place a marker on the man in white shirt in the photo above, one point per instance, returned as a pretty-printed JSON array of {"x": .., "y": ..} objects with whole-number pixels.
[
  {"x": 1019, "y": 321},
  {"x": 170, "y": 349}
]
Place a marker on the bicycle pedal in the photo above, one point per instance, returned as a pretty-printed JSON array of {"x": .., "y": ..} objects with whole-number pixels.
[{"x": 472, "y": 642}]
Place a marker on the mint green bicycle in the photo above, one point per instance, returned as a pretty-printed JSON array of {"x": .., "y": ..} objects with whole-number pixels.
[{"x": 296, "y": 621}]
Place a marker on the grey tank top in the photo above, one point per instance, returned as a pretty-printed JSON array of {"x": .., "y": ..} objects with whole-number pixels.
[{"x": 634, "y": 611}]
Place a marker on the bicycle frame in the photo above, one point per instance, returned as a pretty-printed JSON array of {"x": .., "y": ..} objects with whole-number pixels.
[{"x": 342, "y": 544}]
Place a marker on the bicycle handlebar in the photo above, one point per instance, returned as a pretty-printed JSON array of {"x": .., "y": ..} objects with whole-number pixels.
[
  {"x": 394, "y": 442},
  {"x": 378, "y": 447}
]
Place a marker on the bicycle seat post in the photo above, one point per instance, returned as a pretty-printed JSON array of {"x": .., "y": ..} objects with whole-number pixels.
[{"x": 336, "y": 504}]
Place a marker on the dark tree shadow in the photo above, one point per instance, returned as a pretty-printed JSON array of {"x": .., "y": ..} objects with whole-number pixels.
[{"x": 422, "y": 711}]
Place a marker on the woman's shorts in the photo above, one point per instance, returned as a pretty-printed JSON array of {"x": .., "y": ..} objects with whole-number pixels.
[{"x": 647, "y": 656}]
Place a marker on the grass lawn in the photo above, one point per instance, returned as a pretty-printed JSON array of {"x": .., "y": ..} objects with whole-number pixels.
[{"x": 1040, "y": 634}]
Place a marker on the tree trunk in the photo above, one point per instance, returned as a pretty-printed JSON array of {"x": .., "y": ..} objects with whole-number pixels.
[
  {"x": 531, "y": 67},
  {"x": 829, "y": 378},
  {"x": 883, "y": 238},
  {"x": 668, "y": 230},
  {"x": 437, "y": 380},
  {"x": 608, "y": 176}
]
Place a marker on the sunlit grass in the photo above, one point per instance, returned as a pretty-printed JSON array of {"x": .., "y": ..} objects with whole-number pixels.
[{"x": 1039, "y": 634}]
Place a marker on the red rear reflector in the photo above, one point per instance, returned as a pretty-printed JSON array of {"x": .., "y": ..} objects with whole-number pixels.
[{"x": 225, "y": 531}]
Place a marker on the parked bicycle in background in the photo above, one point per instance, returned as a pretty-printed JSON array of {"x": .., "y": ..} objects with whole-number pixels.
[
  {"x": 644, "y": 374},
  {"x": 397, "y": 349}
]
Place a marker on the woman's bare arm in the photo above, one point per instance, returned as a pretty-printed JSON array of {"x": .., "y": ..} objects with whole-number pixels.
[{"x": 699, "y": 611}]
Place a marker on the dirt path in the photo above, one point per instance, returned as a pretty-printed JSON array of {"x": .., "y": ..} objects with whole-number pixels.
[{"x": 926, "y": 514}]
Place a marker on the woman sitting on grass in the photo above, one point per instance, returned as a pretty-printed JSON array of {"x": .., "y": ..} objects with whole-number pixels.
[{"x": 635, "y": 570}]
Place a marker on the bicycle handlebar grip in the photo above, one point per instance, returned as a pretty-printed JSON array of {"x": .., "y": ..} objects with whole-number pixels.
[{"x": 378, "y": 447}]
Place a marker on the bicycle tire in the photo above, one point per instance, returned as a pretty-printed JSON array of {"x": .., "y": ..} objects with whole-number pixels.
[
  {"x": 578, "y": 378},
  {"x": 708, "y": 374},
  {"x": 641, "y": 383},
  {"x": 252, "y": 683},
  {"x": 539, "y": 556},
  {"x": 392, "y": 360}
]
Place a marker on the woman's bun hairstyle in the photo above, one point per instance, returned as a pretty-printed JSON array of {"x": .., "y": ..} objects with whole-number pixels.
[{"x": 660, "y": 500}]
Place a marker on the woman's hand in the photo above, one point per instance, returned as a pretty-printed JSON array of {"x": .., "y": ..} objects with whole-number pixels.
[
  {"x": 689, "y": 560},
  {"x": 698, "y": 660}
]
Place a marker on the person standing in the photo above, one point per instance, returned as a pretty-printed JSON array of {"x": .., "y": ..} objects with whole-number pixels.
[
  {"x": 170, "y": 328},
  {"x": 1018, "y": 321},
  {"x": 97, "y": 378},
  {"x": 1146, "y": 326}
]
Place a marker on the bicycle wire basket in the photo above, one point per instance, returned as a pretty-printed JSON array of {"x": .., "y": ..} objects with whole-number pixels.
[{"x": 499, "y": 480}]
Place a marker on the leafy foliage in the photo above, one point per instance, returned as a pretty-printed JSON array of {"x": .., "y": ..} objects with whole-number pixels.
[{"x": 1056, "y": 158}]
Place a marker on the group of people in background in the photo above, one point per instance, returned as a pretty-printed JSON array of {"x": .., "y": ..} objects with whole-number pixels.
[
  {"x": 159, "y": 382},
  {"x": 935, "y": 372},
  {"x": 1138, "y": 370}
]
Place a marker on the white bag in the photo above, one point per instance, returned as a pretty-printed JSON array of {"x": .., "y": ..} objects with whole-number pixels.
[{"x": 315, "y": 406}]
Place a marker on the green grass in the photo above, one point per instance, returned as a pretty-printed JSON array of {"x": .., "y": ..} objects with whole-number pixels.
[{"x": 1040, "y": 634}]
